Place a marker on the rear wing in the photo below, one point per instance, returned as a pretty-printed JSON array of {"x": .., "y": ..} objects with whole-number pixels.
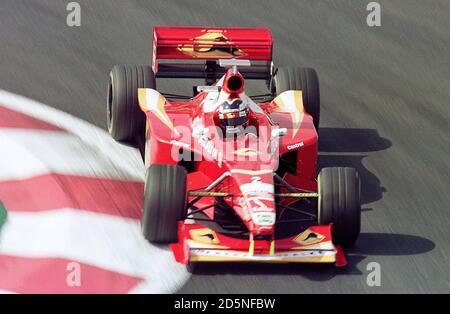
[{"x": 193, "y": 52}]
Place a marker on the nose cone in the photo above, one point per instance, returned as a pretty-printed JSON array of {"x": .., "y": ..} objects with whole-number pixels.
[{"x": 260, "y": 203}]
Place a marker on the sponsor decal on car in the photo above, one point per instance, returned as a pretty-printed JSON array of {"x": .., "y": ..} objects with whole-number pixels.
[
  {"x": 259, "y": 197},
  {"x": 308, "y": 237},
  {"x": 295, "y": 146},
  {"x": 306, "y": 255},
  {"x": 204, "y": 235},
  {"x": 211, "y": 44},
  {"x": 257, "y": 188},
  {"x": 208, "y": 146},
  {"x": 263, "y": 218}
]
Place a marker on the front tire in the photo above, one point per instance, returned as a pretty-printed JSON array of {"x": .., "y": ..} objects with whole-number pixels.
[
  {"x": 339, "y": 203},
  {"x": 164, "y": 203},
  {"x": 126, "y": 121}
]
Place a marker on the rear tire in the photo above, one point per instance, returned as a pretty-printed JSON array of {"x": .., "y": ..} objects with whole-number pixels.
[
  {"x": 126, "y": 121},
  {"x": 164, "y": 203},
  {"x": 304, "y": 79},
  {"x": 339, "y": 203}
]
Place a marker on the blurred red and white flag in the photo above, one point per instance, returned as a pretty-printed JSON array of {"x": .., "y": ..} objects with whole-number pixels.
[{"x": 74, "y": 199}]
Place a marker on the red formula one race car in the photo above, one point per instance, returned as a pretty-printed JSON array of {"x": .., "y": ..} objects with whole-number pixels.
[{"x": 232, "y": 177}]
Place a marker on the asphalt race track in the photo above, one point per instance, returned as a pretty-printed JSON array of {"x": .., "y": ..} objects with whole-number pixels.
[{"x": 385, "y": 111}]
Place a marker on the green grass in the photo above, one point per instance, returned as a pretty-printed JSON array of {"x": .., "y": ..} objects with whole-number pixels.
[{"x": 2, "y": 215}]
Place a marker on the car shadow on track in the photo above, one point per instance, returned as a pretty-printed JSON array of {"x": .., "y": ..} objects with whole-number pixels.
[
  {"x": 368, "y": 244},
  {"x": 342, "y": 147}
]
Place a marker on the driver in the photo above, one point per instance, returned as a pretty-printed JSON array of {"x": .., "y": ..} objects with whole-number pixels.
[{"x": 233, "y": 116}]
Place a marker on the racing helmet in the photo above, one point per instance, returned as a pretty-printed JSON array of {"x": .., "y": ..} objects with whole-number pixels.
[{"x": 233, "y": 115}]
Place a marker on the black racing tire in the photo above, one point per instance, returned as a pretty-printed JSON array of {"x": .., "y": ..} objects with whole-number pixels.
[
  {"x": 164, "y": 203},
  {"x": 192, "y": 267},
  {"x": 125, "y": 120},
  {"x": 339, "y": 203},
  {"x": 304, "y": 79}
]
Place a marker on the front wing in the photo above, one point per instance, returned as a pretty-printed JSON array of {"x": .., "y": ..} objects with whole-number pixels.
[{"x": 198, "y": 243}]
